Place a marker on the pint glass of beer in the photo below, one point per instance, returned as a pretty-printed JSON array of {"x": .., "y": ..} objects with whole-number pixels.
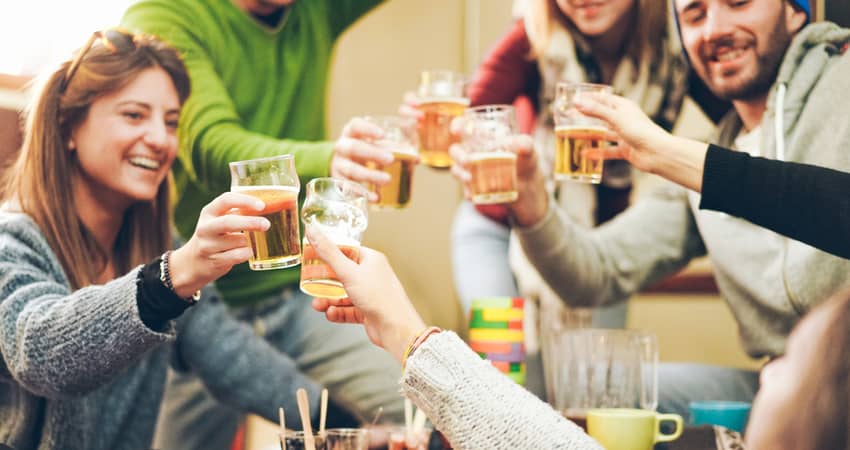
[
  {"x": 492, "y": 165},
  {"x": 274, "y": 181},
  {"x": 340, "y": 209},
  {"x": 400, "y": 138},
  {"x": 579, "y": 139},
  {"x": 442, "y": 97}
]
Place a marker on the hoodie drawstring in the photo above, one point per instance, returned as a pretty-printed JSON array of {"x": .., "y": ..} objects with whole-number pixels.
[{"x": 780, "y": 122}]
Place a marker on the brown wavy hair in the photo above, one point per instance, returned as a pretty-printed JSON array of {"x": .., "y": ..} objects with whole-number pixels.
[
  {"x": 39, "y": 182},
  {"x": 648, "y": 29}
]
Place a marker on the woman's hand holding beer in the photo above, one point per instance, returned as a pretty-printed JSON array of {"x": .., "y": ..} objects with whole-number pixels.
[
  {"x": 645, "y": 144},
  {"x": 354, "y": 151},
  {"x": 376, "y": 297},
  {"x": 533, "y": 200},
  {"x": 218, "y": 242}
]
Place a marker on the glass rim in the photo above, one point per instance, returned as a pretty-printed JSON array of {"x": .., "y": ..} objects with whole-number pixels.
[
  {"x": 297, "y": 433},
  {"x": 351, "y": 185},
  {"x": 610, "y": 332},
  {"x": 261, "y": 160},
  {"x": 390, "y": 117},
  {"x": 347, "y": 431},
  {"x": 453, "y": 73}
]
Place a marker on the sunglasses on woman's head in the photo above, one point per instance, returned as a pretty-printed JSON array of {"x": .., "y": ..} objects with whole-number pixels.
[{"x": 116, "y": 40}]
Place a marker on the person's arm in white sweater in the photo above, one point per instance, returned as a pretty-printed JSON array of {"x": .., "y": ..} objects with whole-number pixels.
[
  {"x": 476, "y": 406},
  {"x": 467, "y": 399}
]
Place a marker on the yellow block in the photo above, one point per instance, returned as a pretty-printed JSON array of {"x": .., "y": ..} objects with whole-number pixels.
[
  {"x": 501, "y": 314},
  {"x": 496, "y": 335}
]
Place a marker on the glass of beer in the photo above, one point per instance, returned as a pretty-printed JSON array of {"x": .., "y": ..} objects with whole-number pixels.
[
  {"x": 274, "y": 181},
  {"x": 442, "y": 97},
  {"x": 340, "y": 209},
  {"x": 492, "y": 165},
  {"x": 579, "y": 139},
  {"x": 400, "y": 137}
]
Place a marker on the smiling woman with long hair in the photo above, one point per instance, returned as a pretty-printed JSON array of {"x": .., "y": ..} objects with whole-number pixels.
[{"x": 88, "y": 288}]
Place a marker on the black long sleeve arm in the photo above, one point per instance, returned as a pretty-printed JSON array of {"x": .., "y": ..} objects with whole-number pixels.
[{"x": 808, "y": 203}]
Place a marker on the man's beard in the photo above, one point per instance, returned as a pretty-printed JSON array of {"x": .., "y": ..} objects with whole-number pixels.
[{"x": 767, "y": 68}]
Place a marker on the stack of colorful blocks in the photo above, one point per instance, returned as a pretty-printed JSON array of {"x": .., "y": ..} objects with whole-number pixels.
[{"x": 495, "y": 333}]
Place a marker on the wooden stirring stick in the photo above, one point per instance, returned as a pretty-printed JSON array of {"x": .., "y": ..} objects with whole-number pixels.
[
  {"x": 282, "y": 418},
  {"x": 304, "y": 411},
  {"x": 323, "y": 412}
]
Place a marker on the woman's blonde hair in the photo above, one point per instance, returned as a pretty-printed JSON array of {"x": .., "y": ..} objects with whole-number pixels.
[
  {"x": 648, "y": 27},
  {"x": 39, "y": 182}
]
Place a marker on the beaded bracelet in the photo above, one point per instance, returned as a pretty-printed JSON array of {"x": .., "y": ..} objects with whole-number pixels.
[
  {"x": 418, "y": 340},
  {"x": 165, "y": 278}
]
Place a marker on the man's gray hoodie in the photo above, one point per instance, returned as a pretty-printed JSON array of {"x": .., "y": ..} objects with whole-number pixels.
[{"x": 769, "y": 281}]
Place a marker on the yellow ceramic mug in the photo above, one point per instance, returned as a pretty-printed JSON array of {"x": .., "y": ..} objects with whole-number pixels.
[{"x": 630, "y": 429}]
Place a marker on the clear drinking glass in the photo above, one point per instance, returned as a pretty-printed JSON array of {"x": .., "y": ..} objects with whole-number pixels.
[
  {"x": 487, "y": 131},
  {"x": 339, "y": 208},
  {"x": 401, "y": 139},
  {"x": 275, "y": 182},
  {"x": 442, "y": 97},
  {"x": 596, "y": 368},
  {"x": 347, "y": 439},
  {"x": 294, "y": 440},
  {"x": 579, "y": 139}
]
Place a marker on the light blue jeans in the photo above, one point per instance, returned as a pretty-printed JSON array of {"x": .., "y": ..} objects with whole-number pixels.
[
  {"x": 360, "y": 377},
  {"x": 481, "y": 268}
]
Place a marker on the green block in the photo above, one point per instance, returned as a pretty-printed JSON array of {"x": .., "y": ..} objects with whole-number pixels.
[
  {"x": 477, "y": 321},
  {"x": 519, "y": 377}
]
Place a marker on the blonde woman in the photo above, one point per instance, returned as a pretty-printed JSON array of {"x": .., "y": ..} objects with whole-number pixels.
[{"x": 624, "y": 43}]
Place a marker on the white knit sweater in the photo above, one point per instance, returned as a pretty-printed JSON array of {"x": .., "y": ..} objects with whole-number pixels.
[{"x": 477, "y": 407}]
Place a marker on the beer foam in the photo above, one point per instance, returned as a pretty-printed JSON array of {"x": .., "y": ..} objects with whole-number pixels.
[
  {"x": 598, "y": 128},
  {"x": 406, "y": 151},
  {"x": 458, "y": 100},
  {"x": 264, "y": 188},
  {"x": 477, "y": 156}
]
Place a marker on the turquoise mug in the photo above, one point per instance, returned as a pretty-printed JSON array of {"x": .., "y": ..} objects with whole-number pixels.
[{"x": 732, "y": 415}]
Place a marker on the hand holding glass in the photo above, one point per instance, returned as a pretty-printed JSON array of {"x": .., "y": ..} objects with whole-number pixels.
[
  {"x": 487, "y": 131},
  {"x": 442, "y": 97},
  {"x": 579, "y": 139},
  {"x": 275, "y": 182},
  {"x": 339, "y": 208},
  {"x": 401, "y": 139}
]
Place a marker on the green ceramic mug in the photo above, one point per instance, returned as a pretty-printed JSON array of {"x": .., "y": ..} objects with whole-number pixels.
[{"x": 630, "y": 429}]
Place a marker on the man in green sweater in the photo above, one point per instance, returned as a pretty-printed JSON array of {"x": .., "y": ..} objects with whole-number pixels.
[{"x": 259, "y": 71}]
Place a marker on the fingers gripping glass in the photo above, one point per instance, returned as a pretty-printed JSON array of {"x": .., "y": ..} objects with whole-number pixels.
[{"x": 115, "y": 39}]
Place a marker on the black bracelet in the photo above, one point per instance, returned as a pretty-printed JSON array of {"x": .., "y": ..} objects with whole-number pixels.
[{"x": 165, "y": 277}]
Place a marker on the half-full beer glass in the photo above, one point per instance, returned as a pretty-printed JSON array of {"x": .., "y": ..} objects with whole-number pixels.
[
  {"x": 487, "y": 131},
  {"x": 339, "y": 208},
  {"x": 401, "y": 139},
  {"x": 274, "y": 181},
  {"x": 442, "y": 97},
  {"x": 579, "y": 139}
]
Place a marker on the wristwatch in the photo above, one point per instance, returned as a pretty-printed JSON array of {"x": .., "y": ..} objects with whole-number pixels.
[{"x": 165, "y": 278}]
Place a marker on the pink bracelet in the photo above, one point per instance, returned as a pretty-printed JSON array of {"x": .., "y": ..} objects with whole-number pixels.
[{"x": 420, "y": 339}]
